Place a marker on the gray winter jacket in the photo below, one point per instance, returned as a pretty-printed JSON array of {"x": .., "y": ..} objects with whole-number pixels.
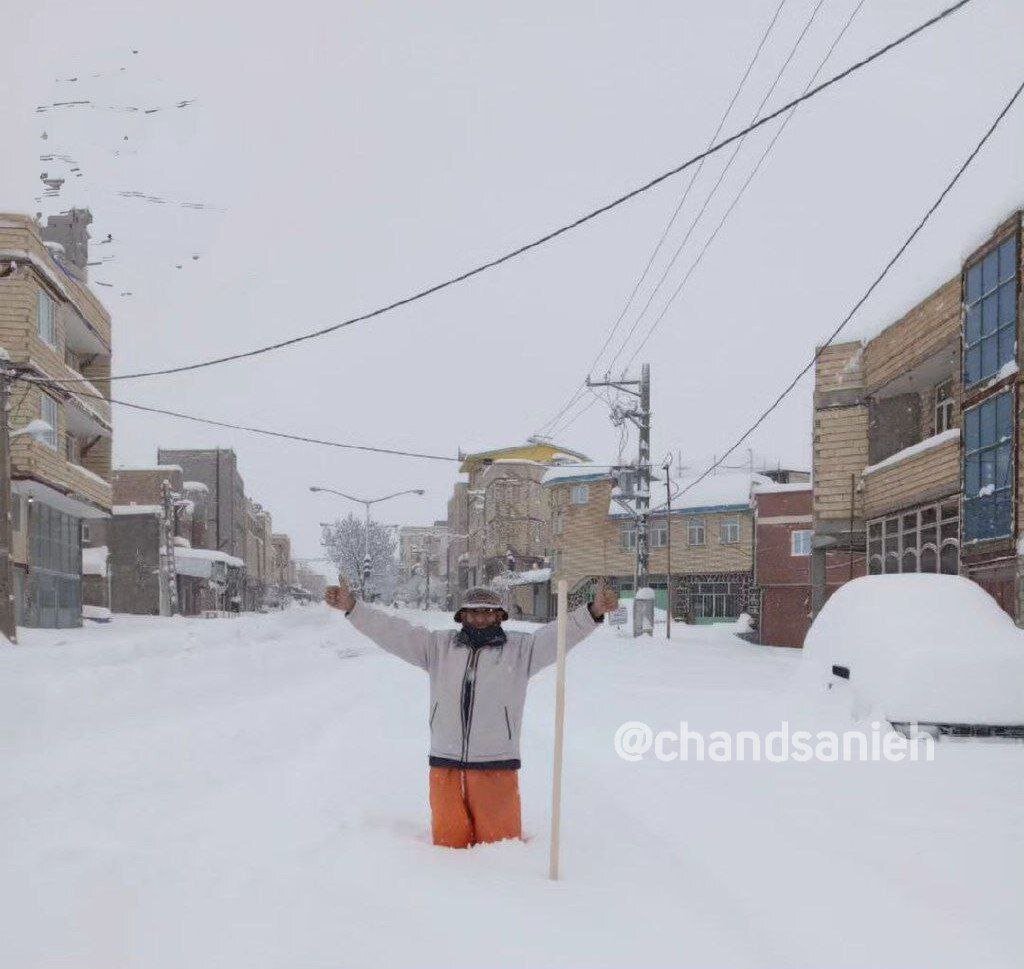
[{"x": 476, "y": 692}]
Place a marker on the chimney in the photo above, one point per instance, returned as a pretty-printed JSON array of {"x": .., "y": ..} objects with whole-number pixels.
[{"x": 71, "y": 230}]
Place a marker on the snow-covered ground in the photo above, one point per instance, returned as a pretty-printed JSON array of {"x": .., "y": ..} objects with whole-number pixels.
[{"x": 251, "y": 793}]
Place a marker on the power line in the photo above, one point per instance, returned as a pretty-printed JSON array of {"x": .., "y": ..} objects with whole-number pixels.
[
  {"x": 718, "y": 183},
  {"x": 874, "y": 285},
  {"x": 243, "y": 427},
  {"x": 563, "y": 229},
  {"x": 580, "y": 391},
  {"x": 739, "y": 194}
]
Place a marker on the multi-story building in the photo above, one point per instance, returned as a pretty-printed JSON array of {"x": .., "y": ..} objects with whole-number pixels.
[
  {"x": 783, "y": 533},
  {"x": 282, "y": 569},
  {"x": 501, "y": 511},
  {"x": 146, "y": 548},
  {"x": 916, "y": 434},
  {"x": 711, "y": 527},
  {"x": 227, "y": 522},
  {"x": 54, "y": 328},
  {"x": 259, "y": 551},
  {"x": 423, "y": 560}
]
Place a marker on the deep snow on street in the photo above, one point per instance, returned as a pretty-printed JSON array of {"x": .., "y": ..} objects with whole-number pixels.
[{"x": 252, "y": 793}]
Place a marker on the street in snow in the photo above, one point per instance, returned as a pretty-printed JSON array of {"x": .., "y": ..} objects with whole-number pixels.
[{"x": 252, "y": 792}]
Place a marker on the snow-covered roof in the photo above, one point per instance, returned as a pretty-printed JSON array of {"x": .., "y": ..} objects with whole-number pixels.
[
  {"x": 148, "y": 467},
  {"x": 198, "y": 562},
  {"x": 195, "y": 486},
  {"x": 774, "y": 487},
  {"x": 94, "y": 560},
  {"x": 936, "y": 440},
  {"x": 724, "y": 491},
  {"x": 587, "y": 472},
  {"x": 137, "y": 510},
  {"x": 531, "y": 577}
]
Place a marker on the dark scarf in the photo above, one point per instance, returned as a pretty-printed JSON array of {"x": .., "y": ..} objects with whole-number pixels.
[{"x": 491, "y": 636}]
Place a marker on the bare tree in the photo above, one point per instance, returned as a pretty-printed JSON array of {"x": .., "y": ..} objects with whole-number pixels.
[{"x": 345, "y": 542}]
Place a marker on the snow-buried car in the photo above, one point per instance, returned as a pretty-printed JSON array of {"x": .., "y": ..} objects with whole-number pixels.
[{"x": 933, "y": 650}]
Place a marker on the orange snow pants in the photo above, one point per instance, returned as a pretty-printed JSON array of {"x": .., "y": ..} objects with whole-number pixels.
[{"x": 469, "y": 807}]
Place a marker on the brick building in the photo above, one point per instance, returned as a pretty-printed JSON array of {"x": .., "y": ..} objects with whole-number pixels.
[
  {"x": 916, "y": 440},
  {"x": 783, "y": 534},
  {"x": 501, "y": 511},
  {"x": 711, "y": 532},
  {"x": 227, "y": 524},
  {"x": 53, "y": 326},
  {"x": 138, "y": 555}
]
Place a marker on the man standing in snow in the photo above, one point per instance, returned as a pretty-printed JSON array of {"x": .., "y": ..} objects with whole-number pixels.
[{"x": 478, "y": 678}]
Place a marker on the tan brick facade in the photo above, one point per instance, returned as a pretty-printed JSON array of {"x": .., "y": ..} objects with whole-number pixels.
[{"x": 889, "y": 432}]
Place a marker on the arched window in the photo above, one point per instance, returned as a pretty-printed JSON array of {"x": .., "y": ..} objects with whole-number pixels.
[
  {"x": 929, "y": 559},
  {"x": 949, "y": 559},
  {"x": 909, "y": 562}
]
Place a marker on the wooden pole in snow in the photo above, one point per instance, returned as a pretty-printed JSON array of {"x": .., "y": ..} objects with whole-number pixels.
[{"x": 556, "y": 787}]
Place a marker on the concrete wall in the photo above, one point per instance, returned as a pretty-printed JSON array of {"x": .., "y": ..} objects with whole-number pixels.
[{"x": 218, "y": 470}]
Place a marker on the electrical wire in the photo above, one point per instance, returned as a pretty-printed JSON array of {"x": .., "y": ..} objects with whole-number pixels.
[
  {"x": 874, "y": 285},
  {"x": 671, "y": 222},
  {"x": 561, "y": 230},
  {"x": 741, "y": 192},
  {"x": 242, "y": 427},
  {"x": 718, "y": 183}
]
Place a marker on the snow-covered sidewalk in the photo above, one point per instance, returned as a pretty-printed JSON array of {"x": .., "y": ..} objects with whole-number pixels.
[{"x": 252, "y": 793}]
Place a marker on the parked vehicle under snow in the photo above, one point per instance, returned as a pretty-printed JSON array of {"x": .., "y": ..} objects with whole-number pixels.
[{"x": 919, "y": 648}]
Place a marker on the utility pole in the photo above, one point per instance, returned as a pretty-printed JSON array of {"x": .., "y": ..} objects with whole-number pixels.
[
  {"x": 667, "y": 467},
  {"x": 7, "y": 624},
  {"x": 170, "y": 570},
  {"x": 640, "y": 416}
]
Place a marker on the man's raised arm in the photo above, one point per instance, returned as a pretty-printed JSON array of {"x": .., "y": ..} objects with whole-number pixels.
[
  {"x": 582, "y": 622},
  {"x": 390, "y": 633}
]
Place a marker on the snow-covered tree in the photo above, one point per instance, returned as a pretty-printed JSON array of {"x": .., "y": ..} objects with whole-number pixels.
[{"x": 345, "y": 542}]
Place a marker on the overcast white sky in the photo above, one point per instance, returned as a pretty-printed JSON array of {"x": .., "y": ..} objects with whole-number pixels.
[{"x": 359, "y": 152}]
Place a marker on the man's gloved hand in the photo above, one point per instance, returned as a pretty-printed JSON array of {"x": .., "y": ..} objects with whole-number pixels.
[
  {"x": 340, "y": 596},
  {"x": 605, "y": 600}
]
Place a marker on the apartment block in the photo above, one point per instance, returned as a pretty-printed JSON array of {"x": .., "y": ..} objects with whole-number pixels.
[
  {"x": 502, "y": 508},
  {"x": 916, "y": 441},
  {"x": 711, "y": 530},
  {"x": 54, "y": 327}
]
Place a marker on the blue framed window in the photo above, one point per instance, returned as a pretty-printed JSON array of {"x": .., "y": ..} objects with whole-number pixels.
[
  {"x": 990, "y": 319},
  {"x": 988, "y": 469}
]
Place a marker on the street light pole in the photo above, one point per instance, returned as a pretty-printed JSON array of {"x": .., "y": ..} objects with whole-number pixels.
[{"x": 366, "y": 502}]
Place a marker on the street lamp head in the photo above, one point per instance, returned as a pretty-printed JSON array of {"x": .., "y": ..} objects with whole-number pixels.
[
  {"x": 419, "y": 491},
  {"x": 314, "y": 488}
]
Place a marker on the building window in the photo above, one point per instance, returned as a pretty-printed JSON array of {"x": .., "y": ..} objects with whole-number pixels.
[
  {"x": 923, "y": 540},
  {"x": 580, "y": 494},
  {"x": 48, "y": 412},
  {"x": 557, "y": 523},
  {"x": 627, "y": 536},
  {"x": 800, "y": 541},
  {"x": 988, "y": 469},
  {"x": 47, "y": 327},
  {"x": 696, "y": 533},
  {"x": 990, "y": 313},
  {"x": 729, "y": 531},
  {"x": 659, "y": 534},
  {"x": 943, "y": 406}
]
